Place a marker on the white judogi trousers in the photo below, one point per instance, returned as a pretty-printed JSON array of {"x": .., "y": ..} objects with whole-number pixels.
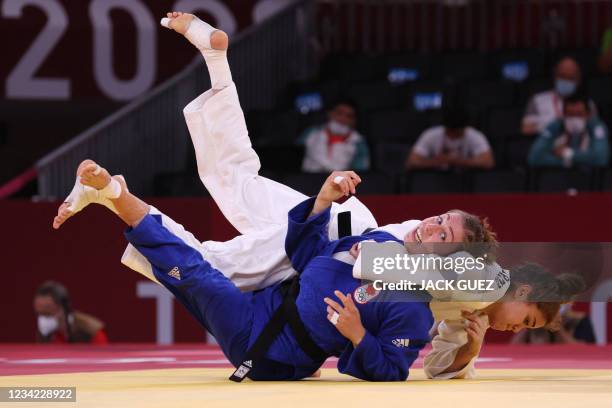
[{"x": 256, "y": 206}]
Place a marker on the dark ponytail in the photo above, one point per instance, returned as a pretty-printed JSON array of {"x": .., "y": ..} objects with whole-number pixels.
[
  {"x": 548, "y": 291},
  {"x": 570, "y": 285}
]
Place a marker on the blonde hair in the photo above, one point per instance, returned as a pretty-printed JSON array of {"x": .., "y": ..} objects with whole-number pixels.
[{"x": 480, "y": 240}]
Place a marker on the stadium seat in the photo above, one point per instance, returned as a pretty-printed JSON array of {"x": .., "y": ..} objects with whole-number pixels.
[
  {"x": 281, "y": 158},
  {"x": 377, "y": 95},
  {"x": 3, "y": 134},
  {"x": 532, "y": 87},
  {"x": 328, "y": 90},
  {"x": 353, "y": 67},
  {"x": 607, "y": 180},
  {"x": 396, "y": 126},
  {"x": 503, "y": 122},
  {"x": 490, "y": 94},
  {"x": 179, "y": 185},
  {"x": 420, "y": 63},
  {"x": 461, "y": 66},
  {"x": 306, "y": 183},
  {"x": 423, "y": 91},
  {"x": 377, "y": 183},
  {"x": 391, "y": 157},
  {"x": 433, "y": 182},
  {"x": 516, "y": 149},
  {"x": 559, "y": 180},
  {"x": 599, "y": 90},
  {"x": 501, "y": 61},
  {"x": 499, "y": 181},
  {"x": 273, "y": 127}
]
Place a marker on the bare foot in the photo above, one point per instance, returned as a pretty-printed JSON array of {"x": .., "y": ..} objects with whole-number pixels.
[
  {"x": 180, "y": 22},
  {"x": 93, "y": 175},
  {"x": 84, "y": 192}
]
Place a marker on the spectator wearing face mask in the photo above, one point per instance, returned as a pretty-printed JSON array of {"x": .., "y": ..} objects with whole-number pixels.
[
  {"x": 578, "y": 139},
  {"x": 454, "y": 144},
  {"x": 546, "y": 107},
  {"x": 58, "y": 323},
  {"x": 336, "y": 145}
]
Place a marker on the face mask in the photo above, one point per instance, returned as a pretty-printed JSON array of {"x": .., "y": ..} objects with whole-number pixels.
[
  {"x": 47, "y": 325},
  {"x": 564, "y": 87},
  {"x": 564, "y": 309},
  {"x": 338, "y": 128},
  {"x": 575, "y": 126}
]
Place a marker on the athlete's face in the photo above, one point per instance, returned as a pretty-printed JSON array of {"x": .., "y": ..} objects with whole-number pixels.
[
  {"x": 515, "y": 316},
  {"x": 446, "y": 228}
]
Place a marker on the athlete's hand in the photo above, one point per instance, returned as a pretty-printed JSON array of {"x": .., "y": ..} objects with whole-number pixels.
[
  {"x": 348, "y": 321},
  {"x": 332, "y": 190},
  {"x": 339, "y": 184},
  {"x": 476, "y": 327},
  {"x": 355, "y": 249}
]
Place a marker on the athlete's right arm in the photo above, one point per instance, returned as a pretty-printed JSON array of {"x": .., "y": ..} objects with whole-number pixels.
[
  {"x": 339, "y": 184},
  {"x": 306, "y": 235},
  {"x": 450, "y": 355}
]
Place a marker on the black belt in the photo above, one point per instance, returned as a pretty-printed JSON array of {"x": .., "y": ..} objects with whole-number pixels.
[{"x": 286, "y": 313}]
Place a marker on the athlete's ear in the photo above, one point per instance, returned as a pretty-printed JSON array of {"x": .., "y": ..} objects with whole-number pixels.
[{"x": 522, "y": 292}]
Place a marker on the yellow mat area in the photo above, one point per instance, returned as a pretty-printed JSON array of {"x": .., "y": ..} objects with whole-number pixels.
[{"x": 209, "y": 387}]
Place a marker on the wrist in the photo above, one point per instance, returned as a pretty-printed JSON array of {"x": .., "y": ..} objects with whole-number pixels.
[
  {"x": 473, "y": 347},
  {"x": 357, "y": 339},
  {"x": 320, "y": 205}
]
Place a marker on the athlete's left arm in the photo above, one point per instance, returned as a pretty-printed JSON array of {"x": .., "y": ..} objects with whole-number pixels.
[{"x": 388, "y": 354}]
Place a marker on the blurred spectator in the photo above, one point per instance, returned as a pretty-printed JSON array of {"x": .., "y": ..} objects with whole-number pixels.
[
  {"x": 336, "y": 145},
  {"x": 605, "y": 58},
  {"x": 576, "y": 139},
  {"x": 58, "y": 323},
  {"x": 545, "y": 107},
  {"x": 454, "y": 144},
  {"x": 575, "y": 327}
]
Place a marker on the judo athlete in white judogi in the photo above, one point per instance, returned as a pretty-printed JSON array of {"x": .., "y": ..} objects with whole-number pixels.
[{"x": 257, "y": 207}]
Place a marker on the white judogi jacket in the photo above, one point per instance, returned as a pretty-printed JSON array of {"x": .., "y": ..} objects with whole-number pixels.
[{"x": 448, "y": 332}]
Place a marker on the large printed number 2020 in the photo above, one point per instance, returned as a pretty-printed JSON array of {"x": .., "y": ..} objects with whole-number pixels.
[{"x": 22, "y": 82}]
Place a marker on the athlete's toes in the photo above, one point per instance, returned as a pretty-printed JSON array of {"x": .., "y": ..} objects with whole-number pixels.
[{"x": 59, "y": 220}]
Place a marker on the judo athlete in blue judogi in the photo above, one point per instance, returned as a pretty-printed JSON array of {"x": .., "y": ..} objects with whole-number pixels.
[{"x": 376, "y": 338}]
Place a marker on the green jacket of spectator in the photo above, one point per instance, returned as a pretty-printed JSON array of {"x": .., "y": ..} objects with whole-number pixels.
[{"x": 591, "y": 149}]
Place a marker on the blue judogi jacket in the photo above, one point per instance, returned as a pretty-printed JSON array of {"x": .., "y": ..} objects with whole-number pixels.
[
  {"x": 397, "y": 323},
  {"x": 396, "y": 331}
]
